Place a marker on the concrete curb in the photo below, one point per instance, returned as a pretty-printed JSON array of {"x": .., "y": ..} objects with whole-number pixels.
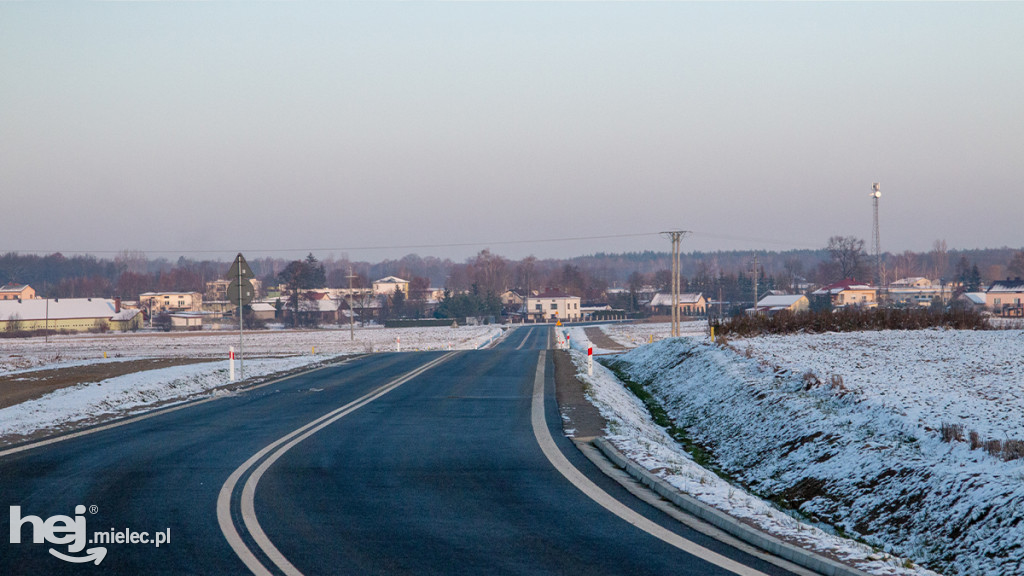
[{"x": 723, "y": 521}]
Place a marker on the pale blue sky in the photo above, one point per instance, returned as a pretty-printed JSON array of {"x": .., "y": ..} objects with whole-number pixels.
[{"x": 252, "y": 126}]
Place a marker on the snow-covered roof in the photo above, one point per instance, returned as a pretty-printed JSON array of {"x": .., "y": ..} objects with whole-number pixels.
[
  {"x": 263, "y": 307},
  {"x": 975, "y": 297},
  {"x": 1016, "y": 285},
  {"x": 126, "y": 314},
  {"x": 553, "y": 294},
  {"x": 915, "y": 282},
  {"x": 842, "y": 286},
  {"x": 13, "y": 287},
  {"x": 666, "y": 299},
  {"x": 391, "y": 280},
  {"x": 57, "y": 309},
  {"x": 779, "y": 301}
]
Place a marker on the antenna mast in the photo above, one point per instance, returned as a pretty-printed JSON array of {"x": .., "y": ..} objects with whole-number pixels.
[{"x": 876, "y": 242}]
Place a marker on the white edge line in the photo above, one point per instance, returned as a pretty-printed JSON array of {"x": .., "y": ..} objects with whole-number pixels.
[
  {"x": 158, "y": 412},
  {"x": 595, "y": 493},
  {"x": 249, "y": 489}
]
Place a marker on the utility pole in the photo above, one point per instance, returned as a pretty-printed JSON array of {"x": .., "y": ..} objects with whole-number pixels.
[
  {"x": 351, "y": 310},
  {"x": 676, "y": 236},
  {"x": 755, "y": 284}
]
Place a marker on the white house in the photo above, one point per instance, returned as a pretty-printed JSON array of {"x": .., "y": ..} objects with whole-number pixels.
[
  {"x": 778, "y": 303},
  {"x": 388, "y": 285},
  {"x": 689, "y": 304},
  {"x": 552, "y": 306}
]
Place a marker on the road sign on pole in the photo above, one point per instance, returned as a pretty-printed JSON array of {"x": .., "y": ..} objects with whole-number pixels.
[{"x": 240, "y": 292}]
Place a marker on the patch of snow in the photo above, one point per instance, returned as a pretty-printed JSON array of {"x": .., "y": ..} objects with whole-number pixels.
[{"x": 631, "y": 430}]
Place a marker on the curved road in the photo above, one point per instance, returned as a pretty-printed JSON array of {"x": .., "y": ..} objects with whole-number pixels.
[{"x": 411, "y": 463}]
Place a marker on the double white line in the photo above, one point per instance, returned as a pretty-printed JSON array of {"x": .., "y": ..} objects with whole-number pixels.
[{"x": 262, "y": 462}]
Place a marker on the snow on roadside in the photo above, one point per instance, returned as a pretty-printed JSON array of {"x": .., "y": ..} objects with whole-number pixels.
[
  {"x": 633, "y": 335},
  {"x": 137, "y": 392},
  {"x": 631, "y": 430},
  {"x": 863, "y": 451},
  {"x": 22, "y": 354},
  {"x": 130, "y": 394}
]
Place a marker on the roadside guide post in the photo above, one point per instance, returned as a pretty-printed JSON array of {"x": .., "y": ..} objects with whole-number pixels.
[
  {"x": 231, "y": 362},
  {"x": 590, "y": 361}
]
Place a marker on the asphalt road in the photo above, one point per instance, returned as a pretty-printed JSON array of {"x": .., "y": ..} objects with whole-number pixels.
[{"x": 435, "y": 471}]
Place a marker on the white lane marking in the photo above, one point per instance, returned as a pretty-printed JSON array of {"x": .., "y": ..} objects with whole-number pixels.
[
  {"x": 157, "y": 412},
  {"x": 525, "y": 338},
  {"x": 595, "y": 493},
  {"x": 289, "y": 440}
]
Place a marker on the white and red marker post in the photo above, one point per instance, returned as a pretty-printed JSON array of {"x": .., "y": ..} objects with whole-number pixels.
[
  {"x": 231, "y": 362},
  {"x": 590, "y": 361}
]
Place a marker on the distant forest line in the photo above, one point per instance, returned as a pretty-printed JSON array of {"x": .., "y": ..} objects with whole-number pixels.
[{"x": 131, "y": 273}]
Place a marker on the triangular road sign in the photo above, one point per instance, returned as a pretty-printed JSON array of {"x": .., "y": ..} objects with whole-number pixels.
[{"x": 240, "y": 269}]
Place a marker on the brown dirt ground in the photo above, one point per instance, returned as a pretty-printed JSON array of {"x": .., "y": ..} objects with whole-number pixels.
[
  {"x": 601, "y": 340},
  {"x": 578, "y": 413},
  {"x": 24, "y": 386}
]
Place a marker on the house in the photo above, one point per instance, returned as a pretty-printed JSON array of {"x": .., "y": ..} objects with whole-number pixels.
[
  {"x": 774, "y": 304},
  {"x": 552, "y": 306},
  {"x": 62, "y": 314},
  {"x": 264, "y": 311},
  {"x": 511, "y": 299},
  {"x": 128, "y": 319},
  {"x": 973, "y": 300},
  {"x": 848, "y": 292},
  {"x": 689, "y": 304},
  {"x": 187, "y": 321},
  {"x": 918, "y": 291},
  {"x": 387, "y": 286},
  {"x": 1005, "y": 297},
  {"x": 17, "y": 292},
  {"x": 218, "y": 289},
  {"x": 157, "y": 302}
]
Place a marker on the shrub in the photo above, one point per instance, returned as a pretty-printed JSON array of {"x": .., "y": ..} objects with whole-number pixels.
[
  {"x": 975, "y": 439},
  {"x": 951, "y": 432},
  {"x": 1013, "y": 450},
  {"x": 848, "y": 320}
]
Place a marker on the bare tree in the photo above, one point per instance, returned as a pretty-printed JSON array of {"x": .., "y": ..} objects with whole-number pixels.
[
  {"x": 847, "y": 256},
  {"x": 940, "y": 259},
  {"x": 1016, "y": 266}
]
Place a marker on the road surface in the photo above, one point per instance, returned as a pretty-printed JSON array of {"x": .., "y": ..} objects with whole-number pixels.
[{"x": 401, "y": 463}]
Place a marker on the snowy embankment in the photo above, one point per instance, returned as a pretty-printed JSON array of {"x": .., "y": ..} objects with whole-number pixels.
[
  {"x": 631, "y": 430},
  {"x": 266, "y": 353},
  {"x": 847, "y": 427}
]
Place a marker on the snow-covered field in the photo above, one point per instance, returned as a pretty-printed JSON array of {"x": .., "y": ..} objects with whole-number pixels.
[
  {"x": 861, "y": 451},
  {"x": 266, "y": 353},
  {"x": 18, "y": 354},
  {"x": 632, "y": 335}
]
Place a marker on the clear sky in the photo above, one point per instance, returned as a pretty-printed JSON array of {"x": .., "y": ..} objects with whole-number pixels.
[{"x": 184, "y": 127}]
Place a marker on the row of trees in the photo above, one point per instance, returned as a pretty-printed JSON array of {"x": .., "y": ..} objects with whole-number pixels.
[{"x": 729, "y": 274}]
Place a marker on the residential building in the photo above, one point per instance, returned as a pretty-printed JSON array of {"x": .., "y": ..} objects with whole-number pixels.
[
  {"x": 919, "y": 291},
  {"x": 17, "y": 292},
  {"x": 689, "y": 304},
  {"x": 551, "y": 307},
  {"x": 1006, "y": 297},
  {"x": 64, "y": 314},
  {"x": 848, "y": 292},
  {"x": 157, "y": 302},
  {"x": 775, "y": 303},
  {"x": 218, "y": 289},
  {"x": 387, "y": 286}
]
